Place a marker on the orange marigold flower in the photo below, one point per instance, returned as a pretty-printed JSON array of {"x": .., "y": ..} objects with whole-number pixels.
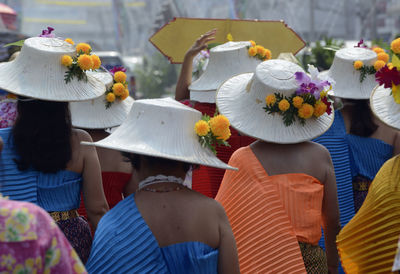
[
  {"x": 377, "y": 50},
  {"x": 118, "y": 89},
  {"x": 252, "y": 51},
  {"x": 390, "y": 65},
  {"x": 120, "y": 77},
  {"x": 226, "y": 135},
  {"x": 270, "y": 100},
  {"x": 83, "y": 47},
  {"x": 358, "y": 64},
  {"x": 11, "y": 96},
  {"x": 66, "y": 60},
  {"x": 284, "y": 105},
  {"x": 319, "y": 108},
  {"x": 267, "y": 54},
  {"x": 253, "y": 44},
  {"x": 395, "y": 45},
  {"x": 379, "y": 64},
  {"x": 110, "y": 97},
  {"x": 69, "y": 40},
  {"x": 201, "y": 128},
  {"x": 96, "y": 61},
  {"x": 260, "y": 50},
  {"x": 297, "y": 101},
  {"x": 383, "y": 56},
  {"x": 219, "y": 124},
  {"x": 306, "y": 111},
  {"x": 125, "y": 95},
  {"x": 85, "y": 62}
]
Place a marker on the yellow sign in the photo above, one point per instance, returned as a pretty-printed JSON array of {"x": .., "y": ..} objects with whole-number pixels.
[{"x": 177, "y": 36}]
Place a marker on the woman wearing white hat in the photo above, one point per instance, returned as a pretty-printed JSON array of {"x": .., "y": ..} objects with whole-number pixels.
[
  {"x": 285, "y": 190},
  {"x": 95, "y": 117},
  {"x": 164, "y": 227},
  {"x": 43, "y": 161}
]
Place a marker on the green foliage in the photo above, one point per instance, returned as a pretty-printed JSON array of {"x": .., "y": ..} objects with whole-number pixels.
[
  {"x": 156, "y": 77},
  {"x": 366, "y": 70},
  {"x": 74, "y": 71},
  {"x": 19, "y": 43}
]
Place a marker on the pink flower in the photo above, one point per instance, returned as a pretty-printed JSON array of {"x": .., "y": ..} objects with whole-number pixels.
[{"x": 48, "y": 33}]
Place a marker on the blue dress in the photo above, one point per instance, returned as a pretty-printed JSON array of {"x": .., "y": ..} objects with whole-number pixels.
[{"x": 123, "y": 243}]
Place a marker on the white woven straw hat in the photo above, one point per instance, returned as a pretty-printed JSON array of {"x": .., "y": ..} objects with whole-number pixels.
[
  {"x": 37, "y": 73},
  {"x": 93, "y": 114},
  {"x": 161, "y": 128},
  {"x": 384, "y": 107},
  {"x": 225, "y": 61},
  {"x": 242, "y": 98},
  {"x": 347, "y": 78}
]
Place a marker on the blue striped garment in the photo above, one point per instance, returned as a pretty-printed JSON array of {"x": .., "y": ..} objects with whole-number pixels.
[{"x": 123, "y": 243}]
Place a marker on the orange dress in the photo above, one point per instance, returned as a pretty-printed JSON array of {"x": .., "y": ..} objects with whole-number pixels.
[{"x": 269, "y": 215}]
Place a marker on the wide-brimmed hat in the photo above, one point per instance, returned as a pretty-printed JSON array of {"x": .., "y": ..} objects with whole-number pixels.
[
  {"x": 242, "y": 100},
  {"x": 225, "y": 61},
  {"x": 384, "y": 106},
  {"x": 94, "y": 114},
  {"x": 162, "y": 128},
  {"x": 38, "y": 73},
  {"x": 347, "y": 78}
]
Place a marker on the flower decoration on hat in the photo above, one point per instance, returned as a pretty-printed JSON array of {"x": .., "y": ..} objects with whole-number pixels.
[
  {"x": 119, "y": 89},
  {"x": 258, "y": 51},
  {"x": 79, "y": 63},
  {"x": 213, "y": 131},
  {"x": 309, "y": 100}
]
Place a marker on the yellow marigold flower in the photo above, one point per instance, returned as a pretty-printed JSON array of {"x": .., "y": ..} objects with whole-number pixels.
[
  {"x": 120, "y": 77},
  {"x": 297, "y": 101},
  {"x": 379, "y": 64},
  {"x": 96, "y": 61},
  {"x": 69, "y": 40},
  {"x": 11, "y": 96},
  {"x": 110, "y": 97},
  {"x": 383, "y": 56},
  {"x": 319, "y": 108},
  {"x": 395, "y": 45},
  {"x": 66, "y": 60},
  {"x": 260, "y": 50},
  {"x": 229, "y": 37},
  {"x": 125, "y": 95},
  {"x": 284, "y": 105},
  {"x": 270, "y": 100},
  {"x": 118, "y": 89},
  {"x": 396, "y": 93},
  {"x": 252, "y": 51},
  {"x": 390, "y": 65},
  {"x": 377, "y": 50},
  {"x": 226, "y": 135},
  {"x": 267, "y": 54},
  {"x": 358, "y": 64},
  {"x": 219, "y": 124},
  {"x": 85, "y": 62},
  {"x": 306, "y": 111},
  {"x": 201, "y": 128},
  {"x": 83, "y": 47},
  {"x": 253, "y": 44}
]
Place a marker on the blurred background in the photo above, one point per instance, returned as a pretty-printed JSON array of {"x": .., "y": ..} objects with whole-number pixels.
[{"x": 118, "y": 30}]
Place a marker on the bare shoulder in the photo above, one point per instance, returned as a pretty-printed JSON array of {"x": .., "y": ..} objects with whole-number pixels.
[
  {"x": 318, "y": 150},
  {"x": 208, "y": 204},
  {"x": 81, "y": 135}
]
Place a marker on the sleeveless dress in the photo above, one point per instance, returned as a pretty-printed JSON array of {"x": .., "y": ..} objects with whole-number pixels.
[
  {"x": 54, "y": 192},
  {"x": 368, "y": 243},
  {"x": 123, "y": 243},
  {"x": 276, "y": 220},
  {"x": 207, "y": 180}
]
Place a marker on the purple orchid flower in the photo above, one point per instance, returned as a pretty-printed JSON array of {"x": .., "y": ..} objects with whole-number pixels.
[
  {"x": 361, "y": 44},
  {"x": 308, "y": 85},
  {"x": 48, "y": 33},
  {"x": 115, "y": 69}
]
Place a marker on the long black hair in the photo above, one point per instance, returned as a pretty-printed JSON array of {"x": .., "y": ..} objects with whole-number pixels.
[
  {"x": 362, "y": 123},
  {"x": 42, "y": 135}
]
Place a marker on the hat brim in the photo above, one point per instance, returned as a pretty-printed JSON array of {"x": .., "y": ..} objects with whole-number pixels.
[
  {"x": 385, "y": 108},
  {"x": 246, "y": 114}
]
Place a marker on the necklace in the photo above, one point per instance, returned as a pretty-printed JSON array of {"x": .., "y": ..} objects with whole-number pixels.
[
  {"x": 144, "y": 185},
  {"x": 162, "y": 190}
]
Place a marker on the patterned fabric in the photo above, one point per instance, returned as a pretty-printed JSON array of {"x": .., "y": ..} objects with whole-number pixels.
[
  {"x": 207, "y": 180},
  {"x": 30, "y": 242},
  {"x": 8, "y": 112},
  {"x": 314, "y": 258},
  {"x": 123, "y": 243},
  {"x": 360, "y": 190},
  {"x": 77, "y": 231}
]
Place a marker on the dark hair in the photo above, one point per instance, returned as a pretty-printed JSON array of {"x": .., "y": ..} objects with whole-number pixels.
[
  {"x": 42, "y": 135},
  {"x": 134, "y": 159},
  {"x": 362, "y": 123}
]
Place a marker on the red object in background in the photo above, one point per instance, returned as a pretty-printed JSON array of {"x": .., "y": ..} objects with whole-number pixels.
[{"x": 9, "y": 16}]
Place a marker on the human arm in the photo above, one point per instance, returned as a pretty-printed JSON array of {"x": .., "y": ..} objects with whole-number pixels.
[
  {"x": 93, "y": 194},
  {"x": 330, "y": 215},
  {"x": 228, "y": 261},
  {"x": 185, "y": 77}
]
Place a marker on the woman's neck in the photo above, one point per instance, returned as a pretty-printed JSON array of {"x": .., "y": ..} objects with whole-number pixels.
[{"x": 97, "y": 134}]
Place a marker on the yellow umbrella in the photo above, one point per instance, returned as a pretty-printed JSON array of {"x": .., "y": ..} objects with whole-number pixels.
[{"x": 177, "y": 36}]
